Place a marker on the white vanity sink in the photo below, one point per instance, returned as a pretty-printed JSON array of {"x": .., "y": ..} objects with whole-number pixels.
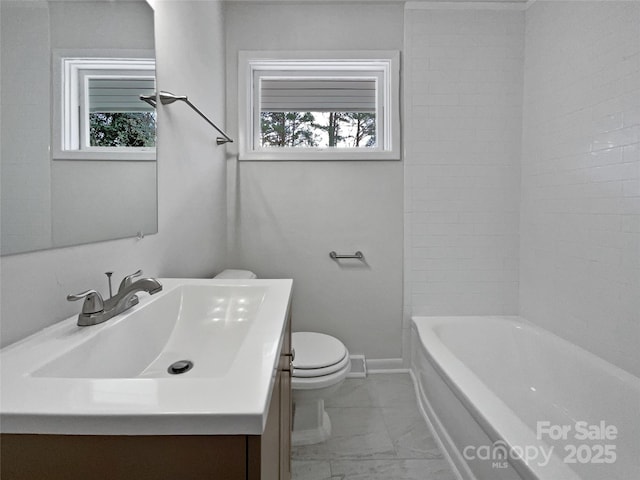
[
  {"x": 205, "y": 324},
  {"x": 113, "y": 378}
]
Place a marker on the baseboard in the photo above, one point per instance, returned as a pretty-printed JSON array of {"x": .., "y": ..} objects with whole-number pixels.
[
  {"x": 386, "y": 365},
  {"x": 361, "y": 366}
]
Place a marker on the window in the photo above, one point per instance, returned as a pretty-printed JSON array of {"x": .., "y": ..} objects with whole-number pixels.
[
  {"x": 319, "y": 106},
  {"x": 101, "y": 108}
]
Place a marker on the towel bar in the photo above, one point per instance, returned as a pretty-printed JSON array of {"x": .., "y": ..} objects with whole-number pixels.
[{"x": 359, "y": 255}]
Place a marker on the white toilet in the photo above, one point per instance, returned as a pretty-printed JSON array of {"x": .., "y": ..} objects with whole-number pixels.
[{"x": 321, "y": 363}]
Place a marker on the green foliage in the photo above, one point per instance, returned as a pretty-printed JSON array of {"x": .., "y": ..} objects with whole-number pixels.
[
  {"x": 333, "y": 127},
  {"x": 306, "y": 129},
  {"x": 127, "y": 129},
  {"x": 287, "y": 129},
  {"x": 365, "y": 126}
]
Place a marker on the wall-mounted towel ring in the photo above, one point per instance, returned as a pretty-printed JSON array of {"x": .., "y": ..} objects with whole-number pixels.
[{"x": 358, "y": 255}]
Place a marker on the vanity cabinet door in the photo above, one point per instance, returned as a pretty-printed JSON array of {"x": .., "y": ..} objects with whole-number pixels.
[
  {"x": 286, "y": 406},
  {"x": 285, "y": 425},
  {"x": 264, "y": 450},
  {"x": 269, "y": 455},
  {"x": 157, "y": 457}
]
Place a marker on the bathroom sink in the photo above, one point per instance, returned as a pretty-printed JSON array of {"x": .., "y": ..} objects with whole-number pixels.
[
  {"x": 113, "y": 378},
  {"x": 203, "y": 324}
]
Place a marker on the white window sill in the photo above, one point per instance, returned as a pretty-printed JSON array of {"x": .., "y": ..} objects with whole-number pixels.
[
  {"x": 127, "y": 156},
  {"x": 293, "y": 155}
]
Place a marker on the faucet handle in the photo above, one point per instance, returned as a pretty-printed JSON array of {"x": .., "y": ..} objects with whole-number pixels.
[
  {"x": 128, "y": 280},
  {"x": 93, "y": 302}
]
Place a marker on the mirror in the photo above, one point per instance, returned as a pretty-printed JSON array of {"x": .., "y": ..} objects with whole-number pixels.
[{"x": 51, "y": 195}]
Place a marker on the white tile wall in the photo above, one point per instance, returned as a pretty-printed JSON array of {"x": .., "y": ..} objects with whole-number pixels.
[
  {"x": 463, "y": 107},
  {"x": 580, "y": 219}
]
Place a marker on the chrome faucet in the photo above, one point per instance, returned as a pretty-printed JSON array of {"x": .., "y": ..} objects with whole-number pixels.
[{"x": 95, "y": 310}]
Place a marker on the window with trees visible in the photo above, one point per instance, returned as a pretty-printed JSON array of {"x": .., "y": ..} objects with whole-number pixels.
[
  {"x": 319, "y": 108},
  {"x": 101, "y": 106}
]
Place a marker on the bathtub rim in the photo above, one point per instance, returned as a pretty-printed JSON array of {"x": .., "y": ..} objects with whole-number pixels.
[
  {"x": 495, "y": 418},
  {"x": 610, "y": 368}
]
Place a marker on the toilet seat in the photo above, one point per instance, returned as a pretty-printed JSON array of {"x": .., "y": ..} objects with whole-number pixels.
[
  {"x": 318, "y": 383},
  {"x": 317, "y": 355},
  {"x": 320, "y": 372}
]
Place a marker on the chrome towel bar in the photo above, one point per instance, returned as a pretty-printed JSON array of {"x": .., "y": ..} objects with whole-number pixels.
[
  {"x": 167, "y": 98},
  {"x": 359, "y": 255}
]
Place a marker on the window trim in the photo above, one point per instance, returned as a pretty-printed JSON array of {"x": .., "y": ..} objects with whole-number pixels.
[
  {"x": 84, "y": 76},
  {"x": 68, "y": 73},
  {"x": 386, "y": 62}
]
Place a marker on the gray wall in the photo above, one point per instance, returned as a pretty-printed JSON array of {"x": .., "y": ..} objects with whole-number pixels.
[
  {"x": 285, "y": 217},
  {"x": 43, "y": 199},
  {"x": 81, "y": 186},
  {"x": 191, "y": 188},
  {"x": 24, "y": 149}
]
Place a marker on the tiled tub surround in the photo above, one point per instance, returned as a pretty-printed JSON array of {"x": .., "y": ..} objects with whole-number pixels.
[
  {"x": 580, "y": 217},
  {"x": 522, "y": 168},
  {"x": 492, "y": 379},
  {"x": 463, "y": 112},
  {"x": 462, "y": 123},
  {"x": 378, "y": 434}
]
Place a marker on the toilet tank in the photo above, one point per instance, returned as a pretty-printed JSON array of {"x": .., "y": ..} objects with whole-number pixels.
[{"x": 236, "y": 274}]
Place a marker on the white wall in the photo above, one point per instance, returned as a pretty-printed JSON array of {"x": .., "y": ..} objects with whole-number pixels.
[
  {"x": 26, "y": 169},
  {"x": 580, "y": 221},
  {"x": 463, "y": 107},
  {"x": 579, "y": 245},
  {"x": 191, "y": 187},
  {"x": 35, "y": 211},
  {"x": 76, "y": 185},
  {"x": 285, "y": 217}
]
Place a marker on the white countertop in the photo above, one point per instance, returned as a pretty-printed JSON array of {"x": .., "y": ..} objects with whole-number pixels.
[{"x": 233, "y": 403}]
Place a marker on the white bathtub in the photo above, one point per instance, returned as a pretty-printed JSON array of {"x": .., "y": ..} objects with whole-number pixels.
[{"x": 492, "y": 385}]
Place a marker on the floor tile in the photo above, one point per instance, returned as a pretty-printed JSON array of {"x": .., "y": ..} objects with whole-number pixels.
[
  {"x": 394, "y": 389},
  {"x": 310, "y": 470},
  {"x": 354, "y": 392},
  {"x": 378, "y": 433},
  {"x": 409, "y": 433},
  {"x": 435, "y": 469},
  {"x": 356, "y": 433}
]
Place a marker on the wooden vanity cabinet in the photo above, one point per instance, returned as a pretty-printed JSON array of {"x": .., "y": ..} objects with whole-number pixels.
[
  {"x": 269, "y": 454},
  {"x": 161, "y": 457}
]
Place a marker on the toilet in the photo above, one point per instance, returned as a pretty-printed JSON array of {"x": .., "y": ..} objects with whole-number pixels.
[
  {"x": 236, "y": 274},
  {"x": 320, "y": 365}
]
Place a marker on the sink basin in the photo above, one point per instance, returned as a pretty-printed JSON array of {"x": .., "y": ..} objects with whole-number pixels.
[
  {"x": 113, "y": 378},
  {"x": 205, "y": 324}
]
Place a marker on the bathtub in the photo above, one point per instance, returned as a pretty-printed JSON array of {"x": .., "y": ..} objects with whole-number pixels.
[{"x": 508, "y": 400}]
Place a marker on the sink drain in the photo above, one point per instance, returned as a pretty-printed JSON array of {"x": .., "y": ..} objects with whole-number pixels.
[{"x": 181, "y": 366}]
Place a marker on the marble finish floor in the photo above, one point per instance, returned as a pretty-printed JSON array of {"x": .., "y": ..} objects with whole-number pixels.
[{"x": 378, "y": 434}]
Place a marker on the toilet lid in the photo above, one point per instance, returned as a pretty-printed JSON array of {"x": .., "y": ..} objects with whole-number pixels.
[
  {"x": 316, "y": 350},
  {"x": 316, "y": 373}
]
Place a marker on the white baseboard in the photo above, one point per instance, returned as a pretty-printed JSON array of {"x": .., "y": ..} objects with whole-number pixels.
[
  {"x": 386, "y": 365},
  {"x": 361, "y": 366}
]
